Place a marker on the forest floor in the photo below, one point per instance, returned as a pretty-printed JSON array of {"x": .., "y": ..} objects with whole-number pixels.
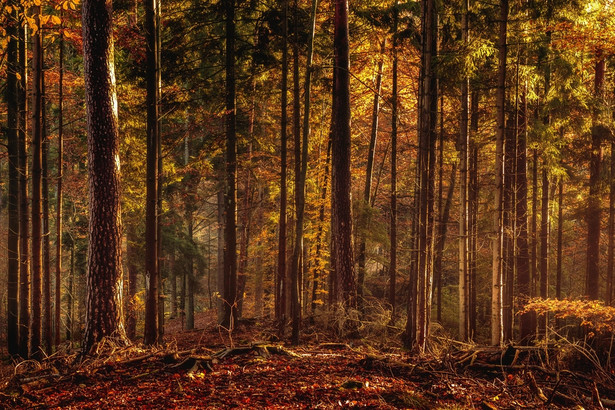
[{"x": 203, "y": 368}]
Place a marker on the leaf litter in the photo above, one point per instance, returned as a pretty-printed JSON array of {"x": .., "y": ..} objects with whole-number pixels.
[{"x": 206, "y": 369}]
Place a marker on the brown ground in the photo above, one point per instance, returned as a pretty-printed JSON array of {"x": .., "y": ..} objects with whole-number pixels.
[{"x": 198, "y": 369}]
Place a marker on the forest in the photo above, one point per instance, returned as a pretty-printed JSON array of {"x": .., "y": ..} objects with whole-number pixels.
[{"x": 196, "y": 193}]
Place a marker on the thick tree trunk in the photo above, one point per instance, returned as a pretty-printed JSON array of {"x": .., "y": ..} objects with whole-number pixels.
[
  {"x": 104, "y": 279},
  {"x": 152, "y": 268},
  {"x": 496, "y": 276},
  {"x": 342, "y": 207},
  {"x": 12, "y": 98},
  {"x": 594, "y": 211}
]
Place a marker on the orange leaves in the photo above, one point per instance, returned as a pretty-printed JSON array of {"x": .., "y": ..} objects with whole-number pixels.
[{"x": 594, "y": 314}]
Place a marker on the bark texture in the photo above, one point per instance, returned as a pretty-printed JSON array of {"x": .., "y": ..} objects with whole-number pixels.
[{"x": 104, "y": 277}]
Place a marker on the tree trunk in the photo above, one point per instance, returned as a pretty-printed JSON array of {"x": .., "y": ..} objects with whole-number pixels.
[
  {"x": 230, "y": 195},
  {"x": 544, "y": 247},
  {"x": 341, "y": 212},
  {"x": 473, "y": 205},
  {"x": 594, "y": 211},
  {"x": 464, "y": 150},
  {"x": 24, "y": 219},
  {"x": 12, "y": 99},
  {"x": 37, "y": 176},
  {"x": 426, "y": 166},
  {"x": 318, "y": 272},
  {"x": 103, "y": 306},
  {"x": 152, "y": 268},
  {"x": 393, "y": 223},
  {"x": 295, "y": 283},
  {"x": 281, "y": 273},
  {"x": 527, "y": 320},
  {"x": 46, "y": 334},
  {"x": 496, "y": 277},
  {"x": 59, "y": 191}
]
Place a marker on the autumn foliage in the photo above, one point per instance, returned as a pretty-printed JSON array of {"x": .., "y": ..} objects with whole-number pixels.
[{"x": 595, "y": 316}]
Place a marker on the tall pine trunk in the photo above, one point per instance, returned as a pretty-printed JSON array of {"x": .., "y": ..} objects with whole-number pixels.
[
  {"x": 104, "y": 279},
  {"x": 230, "y": 195},
  {"x": 496, "y": 276},
  {"x": 464, "y": 150},
  {"x": 343, "y": 260},
  {"x": 594, "y": 211},
  {"x": 59, "y": 194},
  {"x": 393, "y": 222},
  {"x": 12, "y": 98},
  {"x": 152, "y": 268},
  {"x": 281, "y": 272}
]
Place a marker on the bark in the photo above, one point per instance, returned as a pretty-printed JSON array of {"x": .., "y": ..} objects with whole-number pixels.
[
  {"x": 393, "y": 223},
  {"x": 12, "y": 96},
  {"x": 281, "y": 272},
  {"x": 104, "y": 278},
  {"x": 24, "y": 219},
  {"x": 426, "y": 166},
  {"x": 37, "y": 193},
  {"x": 527, "y": 321},
  {"x": 341, "y": 212},
  {"x": 230, "y": 195},
  {"x": 496, "y": 276},
  {"x": 46, "y": 334},
  {"x": 473, "y": 195},
  {"x": 152, "y": 268},
  {"x": 59, "y": 192},
  {"x": 544, "y": 247},
  {"x": 295, "y": 282},
  {"x": 594, "y": 211},
  {"x": 464, "y": 150},
  {"x": 508, "y": 219}
]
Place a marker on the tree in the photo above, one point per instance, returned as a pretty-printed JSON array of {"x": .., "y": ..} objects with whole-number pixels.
[
  {"x": 230, "y": 195},
  {"x": 394, "y": 120},
  {"x": 103, "y": 304},
  {"x": 24, "y": 220},
  {"x": 594, "y": 211},
  {"x": 12, "y": 95},
  {"x": 496, "y": 278},
  {"x": 152, "y": 268},
  {"x": 464, "y": 148},
  {"x": 59, "y": 191},
  {"x": 341, "y": 223},
  {"x": 281, "y": 273}
]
